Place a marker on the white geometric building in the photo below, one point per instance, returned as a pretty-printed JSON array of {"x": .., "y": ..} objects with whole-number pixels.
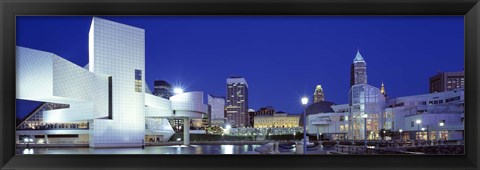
[
  {"x": 109, "y": 93},
  {"x": 441, "y": 115}
]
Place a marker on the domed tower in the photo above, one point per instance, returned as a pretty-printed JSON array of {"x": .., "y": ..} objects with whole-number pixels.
[
  {"x": 358, "y": 74},
  {"x": 318, "y": 95}
]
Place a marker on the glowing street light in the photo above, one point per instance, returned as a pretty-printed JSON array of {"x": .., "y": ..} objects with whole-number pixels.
[
  {"x": 177, "y": 90},
  {"x": 441, "y": 124},
  {"x": 418, "y": 121},
  {"x": 400, "y": 133},
  {"x": 304, "y": 103},
  {"x": 365, "y": 116}
]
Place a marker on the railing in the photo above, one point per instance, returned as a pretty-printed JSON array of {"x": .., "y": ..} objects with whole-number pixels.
[
  {"x": 396, "y": 147},
  {"x": 320, "y": 122},
  {"x": 57, "y": 126}
]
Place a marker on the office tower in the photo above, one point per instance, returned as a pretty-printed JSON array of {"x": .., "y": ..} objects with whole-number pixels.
[
  {"x": 358, "y": 73},
  {"x": 162, "y": 89},
  {"x": 217, "y": 110},
  {"x": 447, "y": 81},
  {"x": 237, "y": 102},
  {"x": 318, "y": 95}
]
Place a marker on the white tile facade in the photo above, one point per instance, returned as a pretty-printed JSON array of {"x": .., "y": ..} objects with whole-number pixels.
[{"x": 118, "y": 51}]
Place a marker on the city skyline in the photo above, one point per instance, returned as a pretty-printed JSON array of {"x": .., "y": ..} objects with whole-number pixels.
[
  {"x": 273, "y": 76},
  {"x": 109, "y": 97}
]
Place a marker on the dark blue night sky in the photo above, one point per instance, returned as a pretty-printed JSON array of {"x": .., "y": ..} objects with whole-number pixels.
[{"x": 282, "y": 58}]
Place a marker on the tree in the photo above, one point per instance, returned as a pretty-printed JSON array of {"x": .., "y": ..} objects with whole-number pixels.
[{"x": 214, "y": 130}]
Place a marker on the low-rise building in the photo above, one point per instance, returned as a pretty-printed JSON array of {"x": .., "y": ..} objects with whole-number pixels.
[{"x": 277, "y": 120}]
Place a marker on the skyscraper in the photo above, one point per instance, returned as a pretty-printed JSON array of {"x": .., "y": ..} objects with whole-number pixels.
[
  {"x": 358, "y": 74},
  {"x": 237, "y": 102},
  {"x": 318, "y": 95},
  {"x": 447, "y": 81},
  {"x": 217, "y": 110},
  {"x": 162, "y": 89}
]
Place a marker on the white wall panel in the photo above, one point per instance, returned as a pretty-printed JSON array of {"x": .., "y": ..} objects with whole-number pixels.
[
  {"x": 34, "y": 74},
  {"x": 118, "y": 50},
  {"x": 76, "y": 112}
]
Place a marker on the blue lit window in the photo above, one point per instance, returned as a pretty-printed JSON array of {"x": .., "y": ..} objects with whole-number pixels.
[{"x": 138, "y": 80}]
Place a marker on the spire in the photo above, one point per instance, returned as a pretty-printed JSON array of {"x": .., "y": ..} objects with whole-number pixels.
[
  {"x": 318, "y": 95},
  {"x": 358, "y": 57},
  {"x": 319, "y": 88},
  {"x": 382, "y": 90}
]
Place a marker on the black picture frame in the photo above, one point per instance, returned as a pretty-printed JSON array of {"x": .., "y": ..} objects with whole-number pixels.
[{"x": 11, "y": 8}]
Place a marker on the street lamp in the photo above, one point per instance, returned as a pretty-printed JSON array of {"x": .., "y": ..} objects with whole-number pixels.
[
  {"x": 304, "y": 103},
  {"x": 442, "y": 124},
  {"x": 418, "y": 121},
  {"x": 294, "y": 133},
  {"x": 364, "y": 116},
  {"x": 384, "y": 135},
  {"x": 25, "y": 140},
  {"x": 400, "y": 131}
]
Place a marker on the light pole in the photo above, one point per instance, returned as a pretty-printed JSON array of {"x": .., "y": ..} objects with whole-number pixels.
[
  {"x": 364, "y": 116},
  {"x": 384, "y": 135},
  {"x": 294, "y": 133},
  {"x": 418, "y": 121},
  {"x": 423, "y": 129},
  {"x": 304, "y": 103},
  {"x": 400, "y": 132},
  {"x": 428, "y": 133},
  {"x": 25, "y": 140},
  {"x": 441, "y": 125}
]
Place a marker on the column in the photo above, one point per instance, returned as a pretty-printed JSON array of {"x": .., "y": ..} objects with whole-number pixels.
[{"x": 186, "y": 131}]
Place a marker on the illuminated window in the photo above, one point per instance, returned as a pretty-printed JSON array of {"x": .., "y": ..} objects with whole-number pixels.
[
  {"x": 443, "y": 135},
  {"x": 138, "y": 80}
]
